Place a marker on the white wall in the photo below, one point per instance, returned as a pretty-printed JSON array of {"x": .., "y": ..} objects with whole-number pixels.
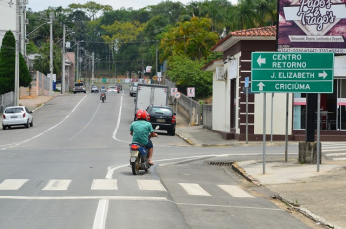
[
  {"x": 279, "y": 113},
  {"x": 7, "y": 18},
  {"x": 221, "y": 104}
]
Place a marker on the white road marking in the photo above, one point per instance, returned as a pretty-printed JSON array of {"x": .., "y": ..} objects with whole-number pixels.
[
  {"x": 335, "y": 154},
  {"x": 230, "y": 206},
  {"x": 57, "y": 185},
  {"x": 102, "y": 184},
  {"x": 12, "y": 184},
  {"x": 194, "y": 189},
  {"x": 150, "y": 185},
  {"x": 101, "y": 214},
  {"x": 51, "y": 128},
  {"x": 339, "y": 159},
  {"x": 235, "y": 191},
  {"x": 86, "y": 126},
  {"x": 118, "y": 122},
  {"x": 145, "y": 198}
]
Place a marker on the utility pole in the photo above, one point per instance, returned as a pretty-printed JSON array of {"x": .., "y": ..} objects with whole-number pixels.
[
  {"x": 16, "y": 77},
  {"x": 156, "y": 59},
  {"x": 92, "y": 71},
  {"x": 51, "y": 56},
  {"x": 63, "y": 61},
  {"x": 77, "y": 64},
  {"x": 23, "y": 27}
]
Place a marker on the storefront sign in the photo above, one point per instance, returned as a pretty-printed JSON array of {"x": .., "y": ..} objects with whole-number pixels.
[
  {"x": 312, "y": 26},
  {"x": 292, "y": 72}
]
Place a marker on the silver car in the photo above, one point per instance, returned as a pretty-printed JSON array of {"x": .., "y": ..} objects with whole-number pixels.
[
  {"x": 113, "y": 89},
  {"x": 16, "y": 116}
]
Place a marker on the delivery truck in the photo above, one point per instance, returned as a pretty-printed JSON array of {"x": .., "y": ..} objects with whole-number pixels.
[{"x": 150, "y": 94}]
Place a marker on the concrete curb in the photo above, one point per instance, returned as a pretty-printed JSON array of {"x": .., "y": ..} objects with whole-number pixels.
[
  {"x": 185, "y": 139},
  {"x": 293, "y": 206}
]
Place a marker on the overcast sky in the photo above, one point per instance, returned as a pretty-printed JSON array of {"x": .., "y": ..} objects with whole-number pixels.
[{"x": 39, "y": 5}]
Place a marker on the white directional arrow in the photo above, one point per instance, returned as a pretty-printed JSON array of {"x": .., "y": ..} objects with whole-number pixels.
[
  {"x": 323, "y": 74},
  {"x": 261, "y": 85},
  {"x": 261, "y": 60}
]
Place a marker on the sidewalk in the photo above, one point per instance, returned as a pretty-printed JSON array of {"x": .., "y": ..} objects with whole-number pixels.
[{"x": 321, "y": 196}]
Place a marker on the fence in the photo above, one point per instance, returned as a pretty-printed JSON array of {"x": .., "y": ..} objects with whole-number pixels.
[
  {"x": 6, "y": 100},
  {"x": 188, "y": 107},
  {"x": 207, "y": 117},
  {"x": 42, "y": 84},
  {"x": 111, "y": 80}
]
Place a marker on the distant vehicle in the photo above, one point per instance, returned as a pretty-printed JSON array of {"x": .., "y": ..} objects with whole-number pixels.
[
  {"x": 150, "y": 94},
  {"x": 162, "y": 116},
  {"x": 94, "y": 89},
  {"x": 120, "y": 86},
  {"x": 16, "y": 116},
  {"x": 79, "y": 87},
  {"x": 113, "y": 89},
  {"x": 133, "y": 88}
]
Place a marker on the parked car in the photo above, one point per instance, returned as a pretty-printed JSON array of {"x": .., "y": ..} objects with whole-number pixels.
[
  {"x": 133, "y": 89},
  {"x": 94, "y": 89},
  {"x": 113, "y": 89},
  {"x": 162, "y": 116},
  {"x": 16, "y": 116},
  {"x": 79, "y": 87}
]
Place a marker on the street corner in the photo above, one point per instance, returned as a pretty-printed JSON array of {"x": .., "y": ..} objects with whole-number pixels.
[
  {"x": 184, "y": 138},
  {"x": 238, "y": 169}
]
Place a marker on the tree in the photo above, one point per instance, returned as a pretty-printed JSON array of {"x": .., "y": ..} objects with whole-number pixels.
[
  {"x": 42, "y": 62},
  {"x": 192, "y": 38},
  {"x": 7, "y": 65},
  {"x": 187, "y": 73},
  {"x": 91, "y": 8}
]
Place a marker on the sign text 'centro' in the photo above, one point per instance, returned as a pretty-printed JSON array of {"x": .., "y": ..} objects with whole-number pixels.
[{"x": 292, "y": 72}]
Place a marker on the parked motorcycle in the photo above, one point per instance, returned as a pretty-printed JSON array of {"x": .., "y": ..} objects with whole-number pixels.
[
  {"x": 103, "y": 97},
  {"x": 139, "y": 157}
]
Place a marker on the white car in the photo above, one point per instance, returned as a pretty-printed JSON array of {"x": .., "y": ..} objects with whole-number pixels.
[
  {"x": 113, "y": 89},
  {"x": 16, "y": 116},
  {"x": 133, "y": 89}
]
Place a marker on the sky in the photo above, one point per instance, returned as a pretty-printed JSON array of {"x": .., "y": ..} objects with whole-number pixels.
[{"x": 39, "y": 5}]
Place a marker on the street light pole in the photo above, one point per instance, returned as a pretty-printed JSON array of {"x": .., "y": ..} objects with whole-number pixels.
[
  {"x": 92, "y": 71},
  {"x": 51, "y": 56},
  {"x": 63, "y": 61},
  {"x": 16, "y": 78}
]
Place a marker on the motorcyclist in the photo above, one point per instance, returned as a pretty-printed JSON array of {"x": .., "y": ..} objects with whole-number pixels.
[
  {"x": 140, "y": 130},
  {"x": 103, "y": 91}
]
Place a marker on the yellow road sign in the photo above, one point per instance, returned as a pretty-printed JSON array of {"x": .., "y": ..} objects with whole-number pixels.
[{"x": 154, "y": 78}]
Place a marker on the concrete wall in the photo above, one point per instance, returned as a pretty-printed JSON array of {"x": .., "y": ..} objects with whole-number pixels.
[
  {"x": 207, "y": 117},
  {"x": 221, "y": 105}
]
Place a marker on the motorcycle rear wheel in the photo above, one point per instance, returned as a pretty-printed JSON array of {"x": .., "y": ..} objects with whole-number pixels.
[{"x": 135, "y": 167}]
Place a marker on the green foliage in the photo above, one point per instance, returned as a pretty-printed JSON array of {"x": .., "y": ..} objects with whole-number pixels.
[
  {"x": 42, "y": 62},
  {"x": 192, "y": 38},
  {"x": 7, "y": 65},
  {"x": 187, "y": 73}
]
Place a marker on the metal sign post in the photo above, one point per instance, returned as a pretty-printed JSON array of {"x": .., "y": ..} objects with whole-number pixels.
[
  {"x": 318, "y": 130},
  {"x": 247, "y": 108},
  {"x": 264, "y": 131},
  {"x": 176, "y": 96},
  {"x": 191, "y": 93}
]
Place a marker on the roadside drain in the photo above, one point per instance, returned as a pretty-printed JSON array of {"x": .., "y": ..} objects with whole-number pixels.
[{"x": 220, "y": 163}]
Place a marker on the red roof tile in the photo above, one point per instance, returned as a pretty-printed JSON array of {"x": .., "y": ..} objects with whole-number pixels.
[{"x": 269, "y": 31}]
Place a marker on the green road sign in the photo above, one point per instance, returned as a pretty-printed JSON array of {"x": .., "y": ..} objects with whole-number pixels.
[
  {"x": 292, "y": 72},
  {"x": 104, "y": 80}
]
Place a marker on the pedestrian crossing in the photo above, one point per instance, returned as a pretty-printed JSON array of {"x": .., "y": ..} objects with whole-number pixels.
[
  {"x": 334, "y": 150},
  {"x": 190, "y": 189}
]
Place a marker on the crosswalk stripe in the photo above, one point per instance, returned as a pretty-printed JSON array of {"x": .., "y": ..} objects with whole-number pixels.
[
  {"x": 194, "y": 189},
  {"x": 12, "y": 184},
  {"x": 104, "y": 184},
  {"x": 335, "y": 154},
  {"x": 150, "y": 185},
  {"x": 57, "y": 185},
  {"x": 340, "y": 159},
  {"x": 235, "y": 191}
]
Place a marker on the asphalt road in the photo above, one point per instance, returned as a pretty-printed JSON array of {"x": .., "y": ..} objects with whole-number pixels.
[{"x": 71, "y": 171}]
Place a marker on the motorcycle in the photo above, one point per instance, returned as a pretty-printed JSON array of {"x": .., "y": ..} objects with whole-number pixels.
[
  {"x": 103, "y": 97},
  {"x": 139, "y": 157}
]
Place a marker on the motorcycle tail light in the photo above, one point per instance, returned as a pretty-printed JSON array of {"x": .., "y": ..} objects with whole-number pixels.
[
  {"x": 134, "y": 147},
  {"x": 173, "y": 119}
]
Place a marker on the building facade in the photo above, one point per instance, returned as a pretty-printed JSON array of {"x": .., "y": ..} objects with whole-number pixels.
[{"x": 229, "y": 97}]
